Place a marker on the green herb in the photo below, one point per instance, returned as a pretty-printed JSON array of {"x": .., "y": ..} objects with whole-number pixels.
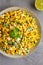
[
  {"x": 17, "y": 36},
  {"x": 15, "y": 44},
  {"x": 12, "y": 34},
  {"x": 18, "y": 45},
  {"x": 5, "y": 24},
  {"x": 15, "y": 33},
  {"x": 29, "y": 29},
  {"x": 16, "y": 30},
  {"x": 10, "y": 43}
]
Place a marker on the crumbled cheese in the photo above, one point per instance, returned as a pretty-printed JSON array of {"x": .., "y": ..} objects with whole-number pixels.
[
  {"x": 14, "y": 25},
  {"x": 18, "y": 39},
  {"x": 9, "y": 38},
  {"x": 5, "y": 43},
  {"x": 21, "y": 36},
  {"x": 10, "y": 48},
  {"x": 11, "y": 27},
  {"x": 15, "y": 14}
]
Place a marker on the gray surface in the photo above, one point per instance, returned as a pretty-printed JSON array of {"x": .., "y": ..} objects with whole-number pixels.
[{"x": 37, "y": 57}]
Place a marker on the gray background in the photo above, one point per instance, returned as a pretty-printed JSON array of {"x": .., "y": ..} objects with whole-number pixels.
[{"x": 37, "y": 57}]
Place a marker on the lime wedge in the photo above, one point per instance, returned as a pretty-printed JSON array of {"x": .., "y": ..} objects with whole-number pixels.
[{"x": 39, "y": 5}]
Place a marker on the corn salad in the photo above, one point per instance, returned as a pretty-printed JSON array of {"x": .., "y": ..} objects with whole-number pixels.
[{"x": 18, "y": 32}]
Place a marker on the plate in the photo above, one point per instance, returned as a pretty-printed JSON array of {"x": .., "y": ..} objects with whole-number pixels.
[{"x": 39, "y": 29}]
